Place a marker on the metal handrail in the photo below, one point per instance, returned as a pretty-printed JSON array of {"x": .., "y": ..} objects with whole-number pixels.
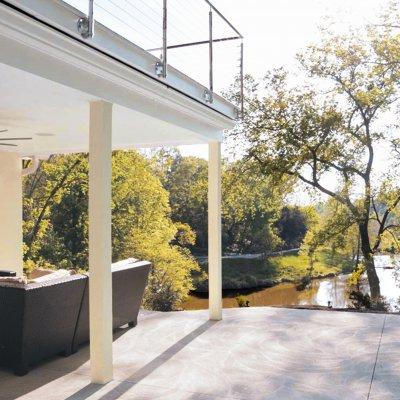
[
  {"x": 165, "y": 44},
  {"x": 223, "y": 17},
  {"x": 86, "y": 29}
]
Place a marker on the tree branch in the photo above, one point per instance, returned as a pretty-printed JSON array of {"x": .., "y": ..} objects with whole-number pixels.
[
  {"x": 382, "y": 226},
  {"x": 56, "y": 188}
]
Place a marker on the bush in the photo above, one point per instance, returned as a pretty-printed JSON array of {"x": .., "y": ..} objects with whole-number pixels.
[
  {"x": 305, "y": 281},
  {"x": 356, "y": 277},
  {"x": 160, "y": 294},
  {"x": 361, "y": 301},
  {"x": 242, "y": 301}
]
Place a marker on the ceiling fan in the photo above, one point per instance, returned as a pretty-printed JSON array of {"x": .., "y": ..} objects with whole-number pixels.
[{"x": 11, "y": 139}]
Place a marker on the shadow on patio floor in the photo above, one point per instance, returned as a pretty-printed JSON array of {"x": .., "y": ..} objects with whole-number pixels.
[
  {"x": 143, "y": 372},
  {"x": 37, "y": 377}
]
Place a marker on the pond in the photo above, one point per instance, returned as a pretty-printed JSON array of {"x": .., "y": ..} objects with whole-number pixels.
[{"x": 319, "y": 293}]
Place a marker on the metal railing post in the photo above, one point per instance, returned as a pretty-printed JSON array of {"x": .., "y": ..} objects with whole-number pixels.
[
  {"x": 241, "y": 81},
  {"x": 86, "y": 25},
  {"x": 165, "y": 33},
  {"x": 211, "y": 55},
  {"x": 91, "y": 18}
]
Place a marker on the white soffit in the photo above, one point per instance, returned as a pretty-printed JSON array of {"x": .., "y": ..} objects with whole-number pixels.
[
  {"x": 57, "y": 119},
  {"x": 146, "y": 112}
]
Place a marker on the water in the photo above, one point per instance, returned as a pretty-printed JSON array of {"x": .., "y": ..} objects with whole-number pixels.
[{"x": 319, "y": 293}]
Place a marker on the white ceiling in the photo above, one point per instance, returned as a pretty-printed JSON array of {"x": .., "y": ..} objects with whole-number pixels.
[{"x": 31, "y": 106}]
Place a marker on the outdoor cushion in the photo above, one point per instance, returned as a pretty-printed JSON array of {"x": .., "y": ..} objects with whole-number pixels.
[
  {"x": 12, "y": 281},
  {"x": 61, "y": 273}
]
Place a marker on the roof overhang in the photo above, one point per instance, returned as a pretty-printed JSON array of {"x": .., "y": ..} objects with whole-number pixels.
[{"x": 49, "y": 77}]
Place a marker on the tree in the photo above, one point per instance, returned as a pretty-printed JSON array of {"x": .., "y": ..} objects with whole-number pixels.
[
  {"x": 292, "y": 227},
  {"x": 250, "y": 203},
  {"x": 186, "y": 180},
  {"x": 334, "y": 231},
  {"x": 327, "y": 138},
  {"x": 42, "y": 190},
  {"x": 56, "y": 208}
]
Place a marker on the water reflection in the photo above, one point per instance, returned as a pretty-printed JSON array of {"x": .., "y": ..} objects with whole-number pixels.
[{"x": 320, "y": 292}]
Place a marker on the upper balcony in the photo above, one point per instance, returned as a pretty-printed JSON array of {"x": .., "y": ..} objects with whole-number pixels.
[
  {"x": 162, "y": 63},
  {"x": 188, "y": 46}
]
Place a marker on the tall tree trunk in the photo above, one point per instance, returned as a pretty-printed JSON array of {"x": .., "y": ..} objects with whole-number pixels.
[
  {"x": 373, "y": 279},
  {"x": 358, "y": 251}
]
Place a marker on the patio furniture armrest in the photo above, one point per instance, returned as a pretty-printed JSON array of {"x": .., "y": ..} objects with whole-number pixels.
[{"x": 129, "y": 280}]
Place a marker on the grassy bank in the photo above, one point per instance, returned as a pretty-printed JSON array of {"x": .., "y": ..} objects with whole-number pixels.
[{"x": 241, "y": 273}]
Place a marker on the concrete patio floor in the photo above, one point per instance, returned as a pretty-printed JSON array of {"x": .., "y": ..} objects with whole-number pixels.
[{"x": 254, "y": 353}]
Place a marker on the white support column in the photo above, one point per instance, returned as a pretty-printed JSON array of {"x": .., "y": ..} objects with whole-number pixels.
[
  {"x": 214, "y": 232},
  {"x": 100, "y": 281},
  {"x": 11, "y": 257}
]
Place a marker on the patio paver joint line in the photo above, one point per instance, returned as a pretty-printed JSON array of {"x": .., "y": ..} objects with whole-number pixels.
[{"x": 376, "y": 358}]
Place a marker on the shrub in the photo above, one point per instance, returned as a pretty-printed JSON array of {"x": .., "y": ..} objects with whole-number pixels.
[
  {"x": 305, "y": 281},
  {"x": 361, "y": 301},
  {"x": 242, "y": 301},
  {"x": 160, "y": 294}
]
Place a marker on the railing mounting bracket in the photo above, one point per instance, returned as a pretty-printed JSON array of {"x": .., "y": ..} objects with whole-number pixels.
[
  {"x": 208, "y": 96},
  {"x": 159, "y": 69},
  {"x": 85, "y": 25}
]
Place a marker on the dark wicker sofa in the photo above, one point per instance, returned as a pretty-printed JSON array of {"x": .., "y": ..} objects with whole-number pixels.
[
  {"x": 40, "y": 320},
  {"x": 128, "y": 282}
]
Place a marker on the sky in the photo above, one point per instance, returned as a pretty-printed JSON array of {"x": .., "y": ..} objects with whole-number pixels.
[{"x": 276, "y": 30}]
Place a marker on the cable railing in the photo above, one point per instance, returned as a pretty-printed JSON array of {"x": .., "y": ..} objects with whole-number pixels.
[{"x": 192, "y": 36}]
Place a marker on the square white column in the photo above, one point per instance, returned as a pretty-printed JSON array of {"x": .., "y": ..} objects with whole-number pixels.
[
  {"x": 11, "y": 257},
  {"x": 214, "y": 232},
  {"x": 100, "y": 252}
]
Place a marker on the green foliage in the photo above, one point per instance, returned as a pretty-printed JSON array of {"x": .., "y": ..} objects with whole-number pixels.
[
  {"x": 292, "y": 227},
  {"x": 363, "y": 301},
  {"x": 243, "y": 273},
  {"x": 327, "y": 138},
  {"x": 356, "y": 277},
  {"x": 293, "y": 268},
  {"x": 250, "y": 203},
  {"x": 242, "y": 301},
  {"x": 185, "y": 179},
  {"x": 240, "y": 273},
  {"x": 250, "y": 207},
  {"x": 160, "y": 293},
  {"x": 360, "y": 300},
  {"x": 42, "y": 191},
  {"x": 333, "y": 232},
  {"x": 304, "y": 283},
  {"x": 56, "y": 223}
]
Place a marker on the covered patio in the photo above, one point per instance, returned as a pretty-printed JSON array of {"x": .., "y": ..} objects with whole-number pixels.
[
  {"x": 60, "y": 94},
  {"x": 64, "y": 93},
  {"x": 253, "y": 353}
]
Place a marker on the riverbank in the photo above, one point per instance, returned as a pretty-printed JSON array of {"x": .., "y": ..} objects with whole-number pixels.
[
  {"x": 242, "y": 273},
  {"x": 332, "y": 291}
]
